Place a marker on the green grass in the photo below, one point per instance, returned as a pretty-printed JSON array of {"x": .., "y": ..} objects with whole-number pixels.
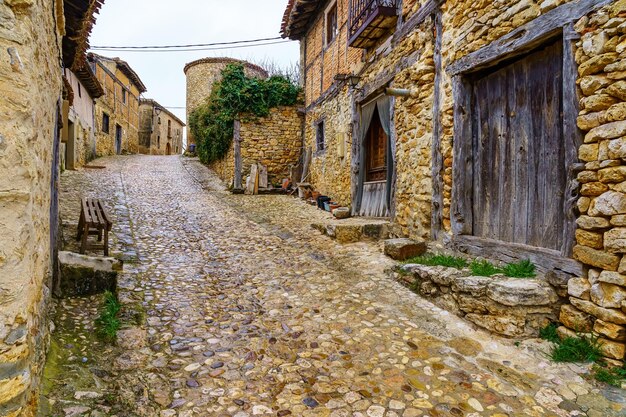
[
  {"x": 522, "y": 269},
  {"x": 549, "y": 333},
  {"x": 576, "y": 349},
  {"x": 483, "y": 268},
  {"x": 611, "y": 376},
  {"x": 108, "y": 323},
  {"x": 439, "y": 260}
]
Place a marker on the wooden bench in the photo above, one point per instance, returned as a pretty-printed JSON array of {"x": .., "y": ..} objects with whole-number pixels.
[{"x": 94, "y": 221}]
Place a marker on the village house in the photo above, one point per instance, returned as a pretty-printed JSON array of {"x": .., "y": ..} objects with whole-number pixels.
[
  {"x": 160, "y": 131},
  {"x": 78, "y": 139},
  {"x": 464, "y": 123},
  {"x": 38, "y": 41},
  {"x": 117, "y": 111}
]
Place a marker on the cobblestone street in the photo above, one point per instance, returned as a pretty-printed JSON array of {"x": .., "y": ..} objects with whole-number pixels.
[{"x": 245, "y": 310}]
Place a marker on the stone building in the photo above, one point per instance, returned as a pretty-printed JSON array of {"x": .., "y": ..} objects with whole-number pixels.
[
  {"x": 160, "y": 131},
  {"x": 37, "y": 40},
  {"x": 117, "y": 111},
  {"x": 78, "y": 137},
  {"x": 464, "y": 122},
  {"x": 202, "y": 74}
]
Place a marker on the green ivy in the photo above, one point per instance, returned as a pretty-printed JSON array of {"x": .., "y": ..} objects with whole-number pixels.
[{"x": 236, "y": 96}]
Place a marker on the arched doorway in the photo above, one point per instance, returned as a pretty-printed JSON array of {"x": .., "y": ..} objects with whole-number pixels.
[{"x": 168, "y": 149}]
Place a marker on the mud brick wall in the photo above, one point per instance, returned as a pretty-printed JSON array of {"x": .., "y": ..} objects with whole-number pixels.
[
  {"x": 30, "y": 88},
  {"x": 599, "y": 299},
  {"x": 274, "y": 141}
]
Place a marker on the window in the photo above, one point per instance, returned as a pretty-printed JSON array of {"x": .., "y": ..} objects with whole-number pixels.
[
  {"x": 159, "y": 141},
  {"x": 169, "y": 128},
  {"x": 159, "y": 120},
  {"x": 105, "y": 122},
  {"x": 320, "y": 136},
  {"x": 80, "y": 93},
  {"x": 331, "y": 24},
  {"x": 124, "y": 95}
]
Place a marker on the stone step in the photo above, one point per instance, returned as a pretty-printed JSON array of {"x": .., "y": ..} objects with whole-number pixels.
[{"x": 83, "y": 275}]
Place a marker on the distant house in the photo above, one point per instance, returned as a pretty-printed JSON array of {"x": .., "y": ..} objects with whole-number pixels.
[
  {"x": 160, "y": 131},
  {"x": 79, "y": 136},
  {"x": 117, "y": 111}
]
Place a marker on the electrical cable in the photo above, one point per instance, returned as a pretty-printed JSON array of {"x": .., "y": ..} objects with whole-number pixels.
[
  {"x": 186, "y": 46},
  {"x": 189, "y": 50}
]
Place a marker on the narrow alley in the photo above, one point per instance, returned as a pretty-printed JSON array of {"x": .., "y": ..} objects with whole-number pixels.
[{"x": 246, "y": 310}]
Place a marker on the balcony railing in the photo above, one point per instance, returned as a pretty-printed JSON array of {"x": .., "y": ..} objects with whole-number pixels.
[{"x": 371, "y": 19}]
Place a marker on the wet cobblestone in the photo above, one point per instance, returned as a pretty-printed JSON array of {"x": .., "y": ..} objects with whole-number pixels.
[{"x": 247, "y": 311}]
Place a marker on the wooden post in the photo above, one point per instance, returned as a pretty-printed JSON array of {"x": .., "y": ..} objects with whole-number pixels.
[
  {"x": 462, "y": 170},
  {"x": 237, "y": 150},
  {"x": 571, "y": 134},
  {"x": 437, "y": 157}
]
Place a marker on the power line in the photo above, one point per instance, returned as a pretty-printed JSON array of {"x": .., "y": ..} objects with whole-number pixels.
[
  {"x": 186, "y": 46},
  {"x": 188, "y": 50}
]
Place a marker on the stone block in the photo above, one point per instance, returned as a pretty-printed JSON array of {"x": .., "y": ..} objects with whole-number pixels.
[
  {"x": 610, "y": 330},
  {"x": 13, "y": 387},
  {"x": 605, "y": 314},
  {"x": 592, "y": 83},
  {"x": 597, "y": 258},
  {"x": 341, "y": 213},
  {"x": 614, "y": 350},
  {"x": 510, "y": 326},
  {"x": 619, "y": 220},
  {"x": 617, "y": 148},
  {"x": 521, "y": 292},
  {"x": 597, "y": 102},
  {"x": 588, "y": 152},
  {"x": 596, "y": 64},
  {"x": 592, "y": 223},
  {"x": 83, "y": 275},
  {"x": 615, "y": 240},
  {"x": 440, "y": 275},
  {"x": 606, "y": 131},
  {"x": 579, "y": 288},
  {"x": 607, "y": 295},
  {"x": 611, "y": 277},
  {"x": 563, "y": 332},
  {"x": 622, "y": 265},
  {"x": 575, "y": 319},
  {"x": 403, "y": 249},
  {"x": 612, "y": 175},
  {"x": 477, "y": 286},
  {"x": 593, "y": 189},
  {"x": 609, "y": 203},
  {"x": 348, "y": 233},
  {"x": 583, "y": 204},
  {"x": 591, "y": 239},
  {"x": 618, "y": 90},
  {"x": 614, "y": 113}
]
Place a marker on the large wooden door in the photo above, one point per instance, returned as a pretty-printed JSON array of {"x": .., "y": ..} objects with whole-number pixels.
[{"x": 518, "y": 151}]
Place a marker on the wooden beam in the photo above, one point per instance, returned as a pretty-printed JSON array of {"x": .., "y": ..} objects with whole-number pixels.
[
  {"x": 526, "y": 37},
  {"x": 461, "y": 215},
  {"x": 437, "y": 157},
  {"x": 571, "y": 134},
  {"x": 545, "y": 259}
]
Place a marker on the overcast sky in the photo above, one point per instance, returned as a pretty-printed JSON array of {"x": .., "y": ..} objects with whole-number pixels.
[{"x": 163, "y": 22}]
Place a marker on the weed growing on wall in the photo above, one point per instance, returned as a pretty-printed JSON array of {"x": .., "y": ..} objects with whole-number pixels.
[{"x": 236, "y": 96}]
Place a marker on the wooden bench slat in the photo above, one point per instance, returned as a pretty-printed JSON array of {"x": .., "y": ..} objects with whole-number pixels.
[{"x": 94, "y": 216}]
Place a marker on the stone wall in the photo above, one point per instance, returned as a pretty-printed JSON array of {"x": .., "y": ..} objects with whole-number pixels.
[
  {"x": 274, "y": 141},
  {"x": 599, "y": 299},
  {"x": 81, "y": 114},
  {"x": 30, "y": 88},
  {"x": 203, "y": 74},
  {"x": 510, "y": 307}
]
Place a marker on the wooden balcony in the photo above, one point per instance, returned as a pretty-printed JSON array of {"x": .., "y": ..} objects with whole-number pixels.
[{"x": 370, "y": 20}]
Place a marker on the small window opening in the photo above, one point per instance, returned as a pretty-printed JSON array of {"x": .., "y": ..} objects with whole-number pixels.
[
  {"x": 105, "y": 123},
  {"x": 331, "y": 24},
  {"x": 320, "y": 136}
]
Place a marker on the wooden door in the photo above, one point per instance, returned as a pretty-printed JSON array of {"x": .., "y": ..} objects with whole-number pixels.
[
  {"x": 376, "y": 151},
  {"x": 518, "y": 151}
]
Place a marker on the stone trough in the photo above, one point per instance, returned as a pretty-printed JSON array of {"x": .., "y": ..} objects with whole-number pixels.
[
  {"x": 83, "y": 275},
  {"x": 510, "y": 307}
]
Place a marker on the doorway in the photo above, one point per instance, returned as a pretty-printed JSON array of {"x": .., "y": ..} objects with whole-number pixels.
[
  {"x": 118, "y": 139},
  {"x": 168, "y": 149},
  {"x": 70, "y": 147}
]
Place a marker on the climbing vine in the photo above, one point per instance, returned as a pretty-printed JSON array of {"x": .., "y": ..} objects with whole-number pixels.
[{"x": 236, "y": 96}]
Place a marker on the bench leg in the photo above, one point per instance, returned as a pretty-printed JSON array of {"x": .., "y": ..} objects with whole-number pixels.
[
  {"x": 83, "y": 245},
  {"x": 81, "y": 226},
  {"x": 99, "y": 234},
  {"x": 106, "y": 242}
]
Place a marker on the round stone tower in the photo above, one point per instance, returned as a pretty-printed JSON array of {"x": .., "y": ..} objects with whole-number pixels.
[{"x": 203, "y": 74}]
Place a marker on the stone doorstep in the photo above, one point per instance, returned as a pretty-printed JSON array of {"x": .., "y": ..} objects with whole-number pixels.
[{"x": 351, "y": 231}]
